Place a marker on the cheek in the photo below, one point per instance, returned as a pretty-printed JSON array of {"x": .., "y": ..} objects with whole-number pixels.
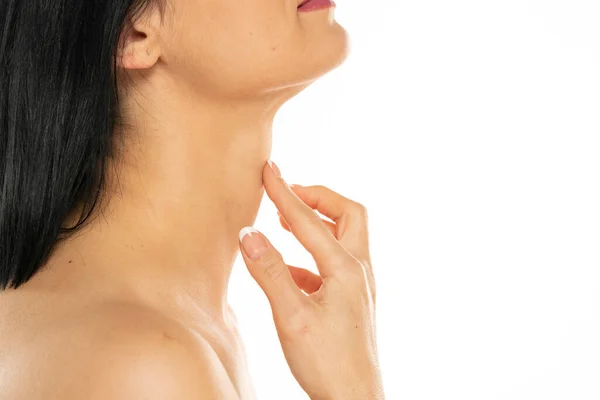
[
  {"x": 236, "y": 28},
  {"x": 222, "y": 45}
]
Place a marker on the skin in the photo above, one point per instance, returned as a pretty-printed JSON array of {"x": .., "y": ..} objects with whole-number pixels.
[
  {"x": 135, "y": 305},
  {"x": 327, "y": 330}
]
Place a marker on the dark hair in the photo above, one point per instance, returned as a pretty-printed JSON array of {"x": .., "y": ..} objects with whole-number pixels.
[{"x": 58, "y": 109}]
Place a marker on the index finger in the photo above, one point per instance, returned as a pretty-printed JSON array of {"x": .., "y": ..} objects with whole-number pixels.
[
  {"x": 306, "y": 225},
  {"x": 350, "y": 217}
]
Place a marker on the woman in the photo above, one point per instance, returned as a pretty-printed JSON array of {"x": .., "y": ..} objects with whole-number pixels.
[{"x": 135, "y": 140}]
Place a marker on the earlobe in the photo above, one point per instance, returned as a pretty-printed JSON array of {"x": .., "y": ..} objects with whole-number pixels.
[{"x": 136, "y": 55}]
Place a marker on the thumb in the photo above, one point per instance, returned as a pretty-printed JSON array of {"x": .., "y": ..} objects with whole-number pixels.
[{"x": 268, "y": 269}]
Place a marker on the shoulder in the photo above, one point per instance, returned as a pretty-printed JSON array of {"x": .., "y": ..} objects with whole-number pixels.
[{"x": 124, "y": 351}]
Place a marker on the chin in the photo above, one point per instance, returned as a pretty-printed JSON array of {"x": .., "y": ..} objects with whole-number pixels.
[
  {"x": 313, "y": 55},
  {"x": 326, "y": 53}
]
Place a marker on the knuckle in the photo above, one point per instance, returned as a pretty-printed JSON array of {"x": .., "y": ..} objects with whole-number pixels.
[
  {"x": 342, "y": 259},
  {"x": 311, "y": 214},
  {"x": 353, "y": 274},
  {"x": 355, "y": 206},
  {"x": 361, "y": 210},
  {"x": 272, "y": 268},
  {"x": 300, "y": 320},
  {"x": 356, "y": 277}
]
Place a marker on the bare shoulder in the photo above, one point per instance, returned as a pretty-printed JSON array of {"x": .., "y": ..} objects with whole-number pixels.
[{"x": 125, "y": 351}]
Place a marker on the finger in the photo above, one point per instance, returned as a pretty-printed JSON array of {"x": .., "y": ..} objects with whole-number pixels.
[
  {"x": 331, "y": 226},
  {"x": 306, "y": 226},
  {"x": 351, "y": 228},
  {"x": 268, "y": 269},
  {"x": 350, "y": 217},
  {"x": 305, "y": 279}
]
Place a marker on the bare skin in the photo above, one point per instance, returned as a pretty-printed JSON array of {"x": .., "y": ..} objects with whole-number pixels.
[
  {"x": 76, "y": 345},
  {"x": 327, "y": 330},
  {"x": 134, "y": 305}
]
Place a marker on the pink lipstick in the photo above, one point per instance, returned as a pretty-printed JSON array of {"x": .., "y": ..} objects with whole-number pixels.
[{"x": 312, "y": 5}]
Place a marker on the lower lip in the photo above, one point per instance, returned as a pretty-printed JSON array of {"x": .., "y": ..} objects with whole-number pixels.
[{"x": 313, "y": 5}]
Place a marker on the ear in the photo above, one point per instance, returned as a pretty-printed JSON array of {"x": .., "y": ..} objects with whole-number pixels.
[{"x": 139, "y": 47}]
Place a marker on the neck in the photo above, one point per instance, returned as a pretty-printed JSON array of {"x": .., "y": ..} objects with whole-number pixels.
[{"x": 188, "y": 179}]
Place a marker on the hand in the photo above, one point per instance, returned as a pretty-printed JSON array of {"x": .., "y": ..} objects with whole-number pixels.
[{"x": 326, "y": 322}]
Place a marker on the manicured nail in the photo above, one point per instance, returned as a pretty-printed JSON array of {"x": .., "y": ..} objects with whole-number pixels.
[
  {"x": 252, "y": 242},
  {"x": 275, "y": 168}
]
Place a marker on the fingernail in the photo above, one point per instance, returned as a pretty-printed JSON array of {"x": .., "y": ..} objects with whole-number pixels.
[
  {"x": 275, "y": 168},
  {"x": 252, "y": 243}
]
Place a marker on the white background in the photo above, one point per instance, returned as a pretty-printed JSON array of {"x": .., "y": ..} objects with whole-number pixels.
[{"x": 470, "y": 130}]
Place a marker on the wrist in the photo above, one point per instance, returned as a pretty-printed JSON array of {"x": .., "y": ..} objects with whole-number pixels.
[{"x": 357, "y": 391}]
